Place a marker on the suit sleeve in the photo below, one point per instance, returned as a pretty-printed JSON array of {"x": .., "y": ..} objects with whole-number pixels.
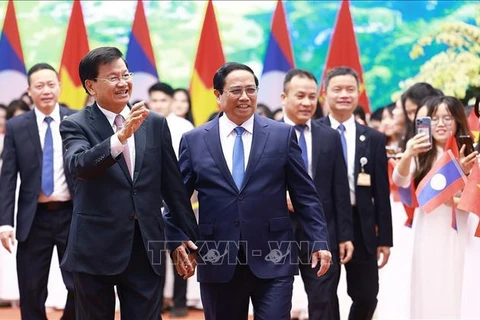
[
  {"x": 381, "y": 193},
  {"x": 305, "y": 200},
  {"x": 83, "y": 160},
  {"x": 180, "y": 222},
  {"x": 341, "y": 192},
  {"x": 8, "y": 178}
]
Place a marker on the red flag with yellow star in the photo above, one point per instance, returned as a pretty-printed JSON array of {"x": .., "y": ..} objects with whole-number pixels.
[
  {"x": 470, "y": 199},
  {"x": 209, "y": 58},
  {"x": 76, "y": 46},
  {"x": 473, "y": 124},
  {"x": 344, "y": 50}
]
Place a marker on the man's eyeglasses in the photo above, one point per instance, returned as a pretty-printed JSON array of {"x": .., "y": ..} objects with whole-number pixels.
[
  {"x": 237, "y": 92},
  {"x": 116, "y": 79}
]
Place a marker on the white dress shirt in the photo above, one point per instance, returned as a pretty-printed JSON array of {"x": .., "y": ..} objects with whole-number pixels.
[
  {"x": 116, "y": 147},
  {"x": 60, "y": 190},
  {"x": 178, "y": 126},
  {"x": 350, "y": 136},
  {"x": 308, "y": 138},
  {"x": 228, "y": 136}
]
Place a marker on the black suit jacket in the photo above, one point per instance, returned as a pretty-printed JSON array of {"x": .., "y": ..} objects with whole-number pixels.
[
  {"x": 107, "y": 199},
  {"x": 373, "y": 203},
  {"x": 329, "y": 174},
  {"x": 23, "y": 154},
  {"x": 330, "y": 177}
]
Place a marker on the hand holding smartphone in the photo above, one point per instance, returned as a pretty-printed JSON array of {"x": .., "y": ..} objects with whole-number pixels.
[
  {"x": 468, "y": 142},
  {"x": 424, "y": 125}
]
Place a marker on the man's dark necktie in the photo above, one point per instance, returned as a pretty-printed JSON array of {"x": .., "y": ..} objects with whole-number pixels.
[
  {"x": 341, "y": 130},
  {"x": 303, "y": 143}
]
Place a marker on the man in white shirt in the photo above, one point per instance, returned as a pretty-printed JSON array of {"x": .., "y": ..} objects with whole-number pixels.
[
  {"x": 33, "y": 148},
  {"x": 160, "y": 101}
]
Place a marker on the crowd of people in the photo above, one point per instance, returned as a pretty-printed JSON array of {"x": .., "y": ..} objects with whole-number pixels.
[{"x": 105, "y": 186}]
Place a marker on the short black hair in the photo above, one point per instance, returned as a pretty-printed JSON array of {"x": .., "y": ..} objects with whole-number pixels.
[
  {"x": 88, "y": 67},
  {"x": 297, "y": 73},
  {"x": 225, "y": 69},
  {"x": 163, "y": 87},
  {"x": 340, "y": 71},
  {"x": 38, "y": 67}
]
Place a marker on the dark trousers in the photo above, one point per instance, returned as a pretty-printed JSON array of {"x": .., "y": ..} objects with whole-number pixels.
[
  {"x": 321, "y": 291},
  {"x": 271, "y": 298},
  {"x": 138, "y": 288},
  {"x": 179, "y": 291},
  {"x": 34, "y": 256},
  {"x": 362, "y": 276},
  {"x": 179, "y": 285}
]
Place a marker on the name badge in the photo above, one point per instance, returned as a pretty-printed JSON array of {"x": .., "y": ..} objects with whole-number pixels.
[{"x": 364, "y": 179}]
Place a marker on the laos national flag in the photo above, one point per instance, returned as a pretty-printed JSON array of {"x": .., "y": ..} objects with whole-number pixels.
[
  {"x": 278, "y": 60},
  {"x": 13, "y": 79},
  {"x": 140, "y": 56},
  {"x": 441, "y": 183}
]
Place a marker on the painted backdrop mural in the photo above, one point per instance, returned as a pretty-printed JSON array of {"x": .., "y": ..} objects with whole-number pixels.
[{"x": 386, "y": 33}]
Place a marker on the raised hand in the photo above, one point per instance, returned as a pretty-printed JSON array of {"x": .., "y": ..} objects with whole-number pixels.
[{"x": 133, "y": 121}]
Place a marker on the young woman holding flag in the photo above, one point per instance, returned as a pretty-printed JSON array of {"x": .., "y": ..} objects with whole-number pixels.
[{"x": 440, "y": 234}]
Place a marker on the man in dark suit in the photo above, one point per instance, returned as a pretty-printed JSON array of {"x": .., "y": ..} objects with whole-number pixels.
[
  {"x": 364, "y": 153},
  {"x": 241, "y": 164},
  {"x": 123, "y": 166},
  {"x": 33, "y": 149},
  {"x": 323, "y": 157}
]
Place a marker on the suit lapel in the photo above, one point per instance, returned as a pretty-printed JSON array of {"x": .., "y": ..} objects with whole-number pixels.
[
  {"x": 212, "y": 140},
  {"x": 140, "y": 145},
  {"x": 260, "y": 137},
  {"x": 32, "y": 128},
  {"x": 360, "y": 148},
  {"x": 102, "y": 127}
]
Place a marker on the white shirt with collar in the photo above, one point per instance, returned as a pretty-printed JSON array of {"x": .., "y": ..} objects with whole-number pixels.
[
  {"x": 116, "y": 147},
  {"x": 308, "y": 138},
  {"x": 60, "y": 186},
  {"x": 177, "y": 126},
  {"x": 228, "y": 136},
  {"x": 350, "y": 136}
]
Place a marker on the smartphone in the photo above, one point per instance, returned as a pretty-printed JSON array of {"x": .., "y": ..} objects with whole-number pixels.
[
  {"x": 424, "y": 125},
  {"x": 468, "y": 142}
]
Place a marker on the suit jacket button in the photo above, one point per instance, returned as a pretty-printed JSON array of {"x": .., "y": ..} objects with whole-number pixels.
[
  {"x": 240, "y": 197},
  {"x": 237, "y": 222},
  {"x": 132, "y": 217}
]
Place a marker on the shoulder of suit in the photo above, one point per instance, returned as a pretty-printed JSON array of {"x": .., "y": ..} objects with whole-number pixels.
[
  {"x": 273, "y": 123},
  {"x": 323, "y": 127},
  {"x": 18, "y": 120},
  {"x": 373, "y": 133}
]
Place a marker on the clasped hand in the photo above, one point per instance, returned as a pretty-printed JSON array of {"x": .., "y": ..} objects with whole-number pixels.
[{"x": 185, "y": 262}]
